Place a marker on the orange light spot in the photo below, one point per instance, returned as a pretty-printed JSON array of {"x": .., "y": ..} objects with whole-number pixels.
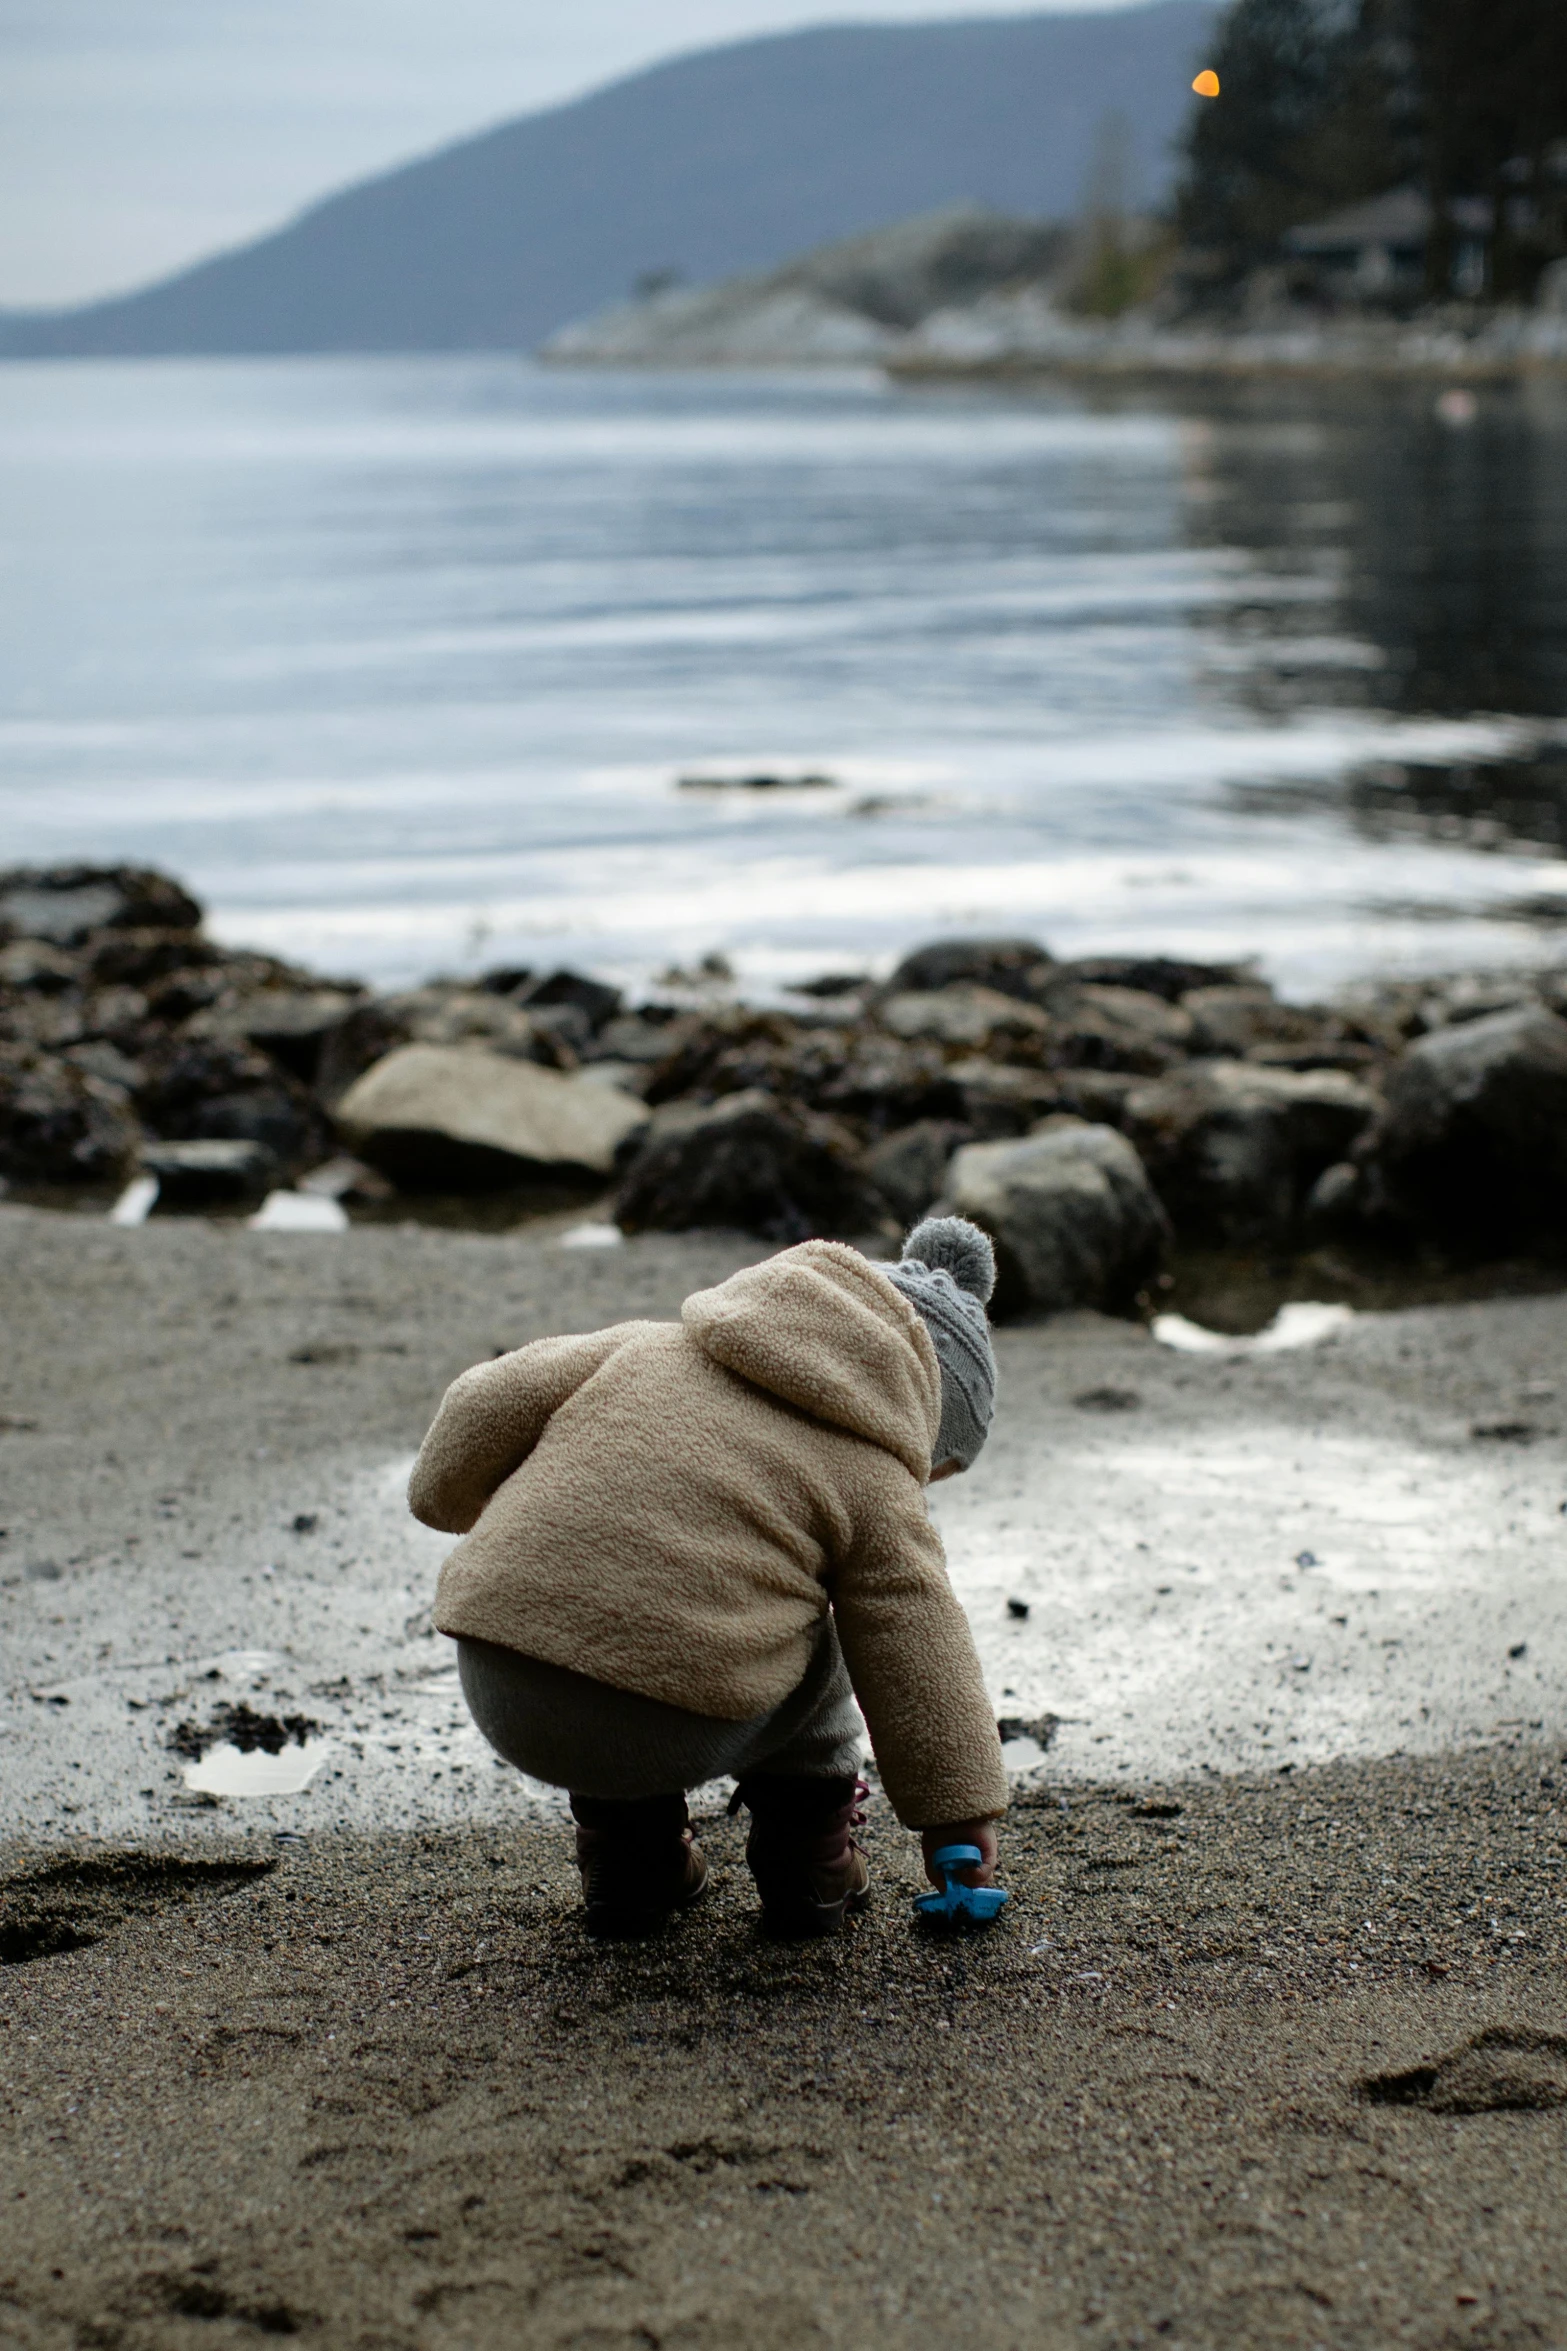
[{"x": 1207, "y": 83}]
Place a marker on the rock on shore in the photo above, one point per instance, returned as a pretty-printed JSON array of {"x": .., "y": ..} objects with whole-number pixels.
[
  {"x": 476, "y": 1119},
  {"x": 1086, "y": 1111},
  {"x": 1073, "y": 1215}
]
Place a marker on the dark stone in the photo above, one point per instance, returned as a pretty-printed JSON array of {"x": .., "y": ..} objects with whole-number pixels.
[
  {"x": 833, "y": 983},
  {"x": 355, "y": 1043},
  {"x": 172, "y": 1001},
  {"x": 209, "y": 1170},
  {"x": 1234, "y": 1151},
  {"x": 1000, "y": 1101},
  {"x": 750, "y": 1162},
  {"x": 66, "y": 903},
  {"x": 505, "y": 979},
  {"x": 597, "y": 1001},
  {"x": 1114, "y": 1028},
  {"x": 443, "y": 1012},
  {"x": 1472, "y": 1145},
  {"x": 1072, "y": 1214},
  {"x": 634, "y": 1036},
  {"x": 1154, "y": 975},
  {"x": 1231, "y": 1022},
  {"x": 874, "y": 1080},
  {"x": 202, "y": 1088},
  {"x": 1013, "y": 966},
  {"x": 293, "y": 1026},
  {"x": 564, "y": 1026},
  {"x": 858, "y": 1074},
  {"x": 968, "y": 1019},
  {"x": 121, "y": 1017},
  {"x": 908, "y": 1167},
  {"x": 60, "y": 1124},
  {"x": 735, "y": 1051},
  {"x": 135, "y": 958},
  {"x": 1099, "y": 1095}
]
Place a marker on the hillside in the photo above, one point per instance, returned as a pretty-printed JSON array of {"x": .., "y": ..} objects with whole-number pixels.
[{"x": 727, "y": 160}]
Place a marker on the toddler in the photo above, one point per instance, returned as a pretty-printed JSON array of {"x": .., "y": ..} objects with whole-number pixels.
[{"x": 689, "y": 1547}]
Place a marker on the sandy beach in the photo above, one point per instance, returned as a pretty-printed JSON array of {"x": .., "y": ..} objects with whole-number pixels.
[{"x": 1270, "y": 2048}]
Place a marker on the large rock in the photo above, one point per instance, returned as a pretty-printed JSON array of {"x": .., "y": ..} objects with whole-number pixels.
[
  {"x": 1232, "y": 1022},
  {"x": 1473, "y": 1142},
  {"x": 139, "y": 958},
  {"x": 1000, "y": 1099},
  {"x": 909, "y": 1167},
  {"x": 575, "y": 991},
  {"x": 1071, "y": 1211},
  {"x": 203, "y": 1089},
  {"x": 963, "y": 1015},
  {"x": 751, "y": 1162},
  {"x": 1153, "y": 975},
  {"x": 858, "y": 1074},
  {"x": 442, "y": 1015},
  {"x": 1016, "y": 967},
  {"x": 1234, "y": 1149},
  {"x": 60, "y": 1124},
  {"x": 461, "y": 1118},
  {"x": 1114, "y": 1028},
  {"x": 66, "y": 903}
]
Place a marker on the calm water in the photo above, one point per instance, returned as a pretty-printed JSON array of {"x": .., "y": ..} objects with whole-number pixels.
[{"x": 400, "y": 663}]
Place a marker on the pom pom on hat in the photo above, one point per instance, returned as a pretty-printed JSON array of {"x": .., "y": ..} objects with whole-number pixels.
[
  {"x": 955, "y": 1246},
  {"x": 946, "y": 1272}
]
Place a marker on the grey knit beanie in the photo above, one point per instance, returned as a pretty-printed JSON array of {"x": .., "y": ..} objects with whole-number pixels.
[{"x": 947, "y": 1273}]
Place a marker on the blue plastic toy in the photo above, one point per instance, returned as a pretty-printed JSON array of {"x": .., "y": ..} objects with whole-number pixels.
[{"x": 960, "y": 1902}]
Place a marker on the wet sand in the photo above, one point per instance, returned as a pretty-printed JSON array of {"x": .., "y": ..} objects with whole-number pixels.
[{"x": 340, "y": 2063}]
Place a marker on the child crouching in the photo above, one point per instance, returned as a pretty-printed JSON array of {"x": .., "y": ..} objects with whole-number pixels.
[{"x": 688, "y": 1547}]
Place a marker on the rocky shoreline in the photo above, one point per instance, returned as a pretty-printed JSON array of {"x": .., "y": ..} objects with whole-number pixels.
[{"x": 1091, "y": 1114}]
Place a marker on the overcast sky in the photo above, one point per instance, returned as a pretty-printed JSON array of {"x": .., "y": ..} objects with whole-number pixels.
[{"x": 138, "y": 134}]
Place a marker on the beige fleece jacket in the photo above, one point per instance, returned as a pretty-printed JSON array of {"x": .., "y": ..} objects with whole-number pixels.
[{"x": 673, "y": 1507}]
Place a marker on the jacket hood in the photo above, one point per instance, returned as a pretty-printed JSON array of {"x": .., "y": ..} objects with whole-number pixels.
[{"x": 823, "y": 1328}]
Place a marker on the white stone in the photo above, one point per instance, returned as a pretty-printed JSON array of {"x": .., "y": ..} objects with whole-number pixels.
[{"x": 298, "y": 1212}]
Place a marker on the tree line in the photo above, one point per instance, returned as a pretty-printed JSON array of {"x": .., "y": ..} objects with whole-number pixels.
[{"x": 1325, "y": 102}]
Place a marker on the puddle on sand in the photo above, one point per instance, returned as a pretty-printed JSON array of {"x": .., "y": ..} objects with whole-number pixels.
[
  {"x": 227, "y": 1770},
  {"x": 239, "y": 1752},
  {"x": 1306, "y": 1323}
]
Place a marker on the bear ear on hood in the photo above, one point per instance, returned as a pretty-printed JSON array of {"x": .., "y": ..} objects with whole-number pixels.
[{"x": 823, "y": 1329}]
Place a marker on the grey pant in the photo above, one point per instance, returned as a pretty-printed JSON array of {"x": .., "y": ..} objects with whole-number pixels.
[{"x": 572, "y": 1732}]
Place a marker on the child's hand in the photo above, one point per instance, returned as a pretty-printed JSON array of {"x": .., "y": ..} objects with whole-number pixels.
[{"x": 962, "y": 1832}]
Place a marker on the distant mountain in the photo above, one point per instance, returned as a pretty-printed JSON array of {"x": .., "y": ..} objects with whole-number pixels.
[{"x": 730, "y": 159}]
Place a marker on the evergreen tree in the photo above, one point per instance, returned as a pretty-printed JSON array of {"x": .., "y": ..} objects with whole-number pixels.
[
  {"x": 1487, "y": 85},
  {"x": 1327, "y": 101},
  {"x": 1301, "y": 125}
]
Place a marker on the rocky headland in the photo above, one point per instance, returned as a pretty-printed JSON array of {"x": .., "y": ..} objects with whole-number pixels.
[
  {"x": 966, "y": 292},
  {"x": 1091, "y": 1114}
]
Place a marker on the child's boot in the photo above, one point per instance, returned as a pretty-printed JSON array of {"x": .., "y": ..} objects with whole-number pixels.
[
  {"x": 808, "y": 1869},
  {"x": 639, "y": 1861}
]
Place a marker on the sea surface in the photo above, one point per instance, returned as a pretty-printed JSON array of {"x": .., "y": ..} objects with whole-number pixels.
[{"x": 428, "y": 665}]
